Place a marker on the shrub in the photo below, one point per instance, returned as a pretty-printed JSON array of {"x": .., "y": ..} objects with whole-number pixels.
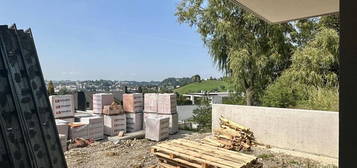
[
  {"x": 203, "y": 116},
  {"x": 322, "y": 99}
]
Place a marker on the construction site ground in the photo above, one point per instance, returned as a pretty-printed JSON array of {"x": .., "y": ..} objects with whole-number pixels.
[{"x": 136, "y": 154}]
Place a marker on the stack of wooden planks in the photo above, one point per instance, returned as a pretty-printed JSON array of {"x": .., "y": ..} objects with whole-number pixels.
[
  {"x": 190, "y": 154},
  {"x": 232, "y": 136}
]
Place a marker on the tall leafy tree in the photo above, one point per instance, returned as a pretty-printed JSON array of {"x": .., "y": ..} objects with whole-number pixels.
[
  {"x": 196, "y": 78},
  {"x": 312, "y": 77},
  {"x": 252, "y": 52},
  {"x": 50, "y": 88}
]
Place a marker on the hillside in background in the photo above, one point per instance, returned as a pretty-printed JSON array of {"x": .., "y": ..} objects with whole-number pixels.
[
  {"x": 175, "y": 82},
  {"x": 208, "y": 85}
]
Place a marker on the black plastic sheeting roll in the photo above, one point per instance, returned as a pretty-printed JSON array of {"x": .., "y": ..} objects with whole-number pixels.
[{"x": 28, "y": 133}]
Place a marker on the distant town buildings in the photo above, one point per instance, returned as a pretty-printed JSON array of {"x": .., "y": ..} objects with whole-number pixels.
[{"x": 101, "y": 85}]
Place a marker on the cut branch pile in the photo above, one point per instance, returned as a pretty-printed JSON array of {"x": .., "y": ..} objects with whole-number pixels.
[{"x": 232, "y": 136}]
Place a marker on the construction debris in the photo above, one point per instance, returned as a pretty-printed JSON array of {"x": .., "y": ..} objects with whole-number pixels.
[
  {"x": 190, "y": 154},
  {"x": 113, "y": 109},
  {"x": 232, "y": 136},
  {"x": 81, "y": 142},
  {"x": 121, "y": 134}
]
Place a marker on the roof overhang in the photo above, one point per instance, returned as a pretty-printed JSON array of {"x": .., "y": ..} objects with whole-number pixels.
[{"x": 279, "y": 11}]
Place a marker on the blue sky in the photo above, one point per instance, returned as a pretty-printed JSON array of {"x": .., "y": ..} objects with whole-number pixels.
[{"x": 110, "y": 39}]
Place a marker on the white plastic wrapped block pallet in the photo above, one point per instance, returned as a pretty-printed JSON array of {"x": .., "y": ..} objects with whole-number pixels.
[
  {"x": 114, "y": 124},
  {"x": 157, "y": 128},
  {"x": 68, "y": 119},
  {"x": 166, "y": 103},
  {"x": 150, "y": 102},
  {"x": 63, "y": 139},
  {"x": 173, "y": 123},
  {"x": 133, "y": 102},
  {"x": 134, "y": 122},
  {"x": 95, "y": 126},
  {"x": 81, "y": 130},
  {"x": 62, "y": 105},
  {"x": 146, "y": 115},
  {"x": 62, "y": 127},
  {"x": 100, "y": 100}
]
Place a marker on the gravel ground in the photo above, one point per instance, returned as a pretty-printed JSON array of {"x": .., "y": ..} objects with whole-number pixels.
[{"x": 136, "y": 154}]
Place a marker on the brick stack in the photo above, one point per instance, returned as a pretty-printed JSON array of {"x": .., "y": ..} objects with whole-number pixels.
[
  {"x": 114, "y": 124},
  {"x": 166, "y": 103},
  {"x": 62, "y": 127},
  {"x": 133, "y": 106},
  {"x": 157, "y": 128},
  {"x": 62, "y": 107},
  {"x": 78, "y": 130},
  {"x": 134, "y": 122},
  {"x": 150, "y": 102},
  {"x": 133, "y": 102},
  {"x": 100, "y": 100},
  {"x": 95, "y": 126},
  {"x": 166, "y": 107},
  {"x": 114, "y": 119},
  {"x": 63, "y": 139}
]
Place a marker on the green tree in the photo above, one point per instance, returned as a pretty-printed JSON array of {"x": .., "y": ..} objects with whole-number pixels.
[
  {"x": 313, "y": 73},
  {"x": 50, "y": 88},
  {"x": 331, "y": 21},
  {"x": 64, "y": 91},
  {"x": 203, "y": 115},
  {"x": 252, "y": 52},
  {"x": 196, "y": 78}
]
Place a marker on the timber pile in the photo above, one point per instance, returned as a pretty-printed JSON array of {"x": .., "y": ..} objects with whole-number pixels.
[
  {"x": 232, "y": 136},
  {"x": 190, "y": 154}
]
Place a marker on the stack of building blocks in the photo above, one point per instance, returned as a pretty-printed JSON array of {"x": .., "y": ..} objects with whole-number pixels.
[
  {"x": 166, "y": 107},
  {"x": 114, "y": 124},
  {"x": 100, "y": 100},
  {"x": 133, "y": 106},
  {"x": 166, "y": 103},
  {"x": 133, "y": 102},
  {"x": 157, "y": 128},
  {"x": 150, "y": 102},
  {"x": 63, "y": 139},
  {"x": 134, "y": 122},
  {"x": 62, "y": 107},
  {"x": 62, "y": 127},
  {"x": 95, "y": 126},
  {"x": 78, "y": 130}
]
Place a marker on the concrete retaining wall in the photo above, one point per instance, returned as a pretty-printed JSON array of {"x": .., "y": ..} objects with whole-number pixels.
[
  {"x": 301, "y": 130},
  {"x": 185, "y": 112}
]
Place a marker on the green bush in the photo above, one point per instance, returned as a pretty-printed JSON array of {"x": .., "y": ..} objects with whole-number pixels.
[
  {"x": 283, "y": 93},
  {"x": 321, "y": 99},
  {"x": 203, "y": 116}
]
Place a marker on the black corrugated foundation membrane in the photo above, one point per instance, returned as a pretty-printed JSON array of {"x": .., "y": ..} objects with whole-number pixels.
[{"x": 28, "y": 133}]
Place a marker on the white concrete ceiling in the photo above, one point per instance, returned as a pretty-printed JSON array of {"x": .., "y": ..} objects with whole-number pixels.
[{"x": 278, "y": 11}]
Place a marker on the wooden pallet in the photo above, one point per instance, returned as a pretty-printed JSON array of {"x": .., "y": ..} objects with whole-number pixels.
[{"x": 183, "y": 153}]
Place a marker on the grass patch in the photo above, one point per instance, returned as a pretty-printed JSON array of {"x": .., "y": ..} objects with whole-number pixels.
[
  {"x": 208, "y": 85},
  {"x": 265, "y": 156}
]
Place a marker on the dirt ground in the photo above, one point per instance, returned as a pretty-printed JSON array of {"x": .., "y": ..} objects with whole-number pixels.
[{"x": 136, "y": 154}]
